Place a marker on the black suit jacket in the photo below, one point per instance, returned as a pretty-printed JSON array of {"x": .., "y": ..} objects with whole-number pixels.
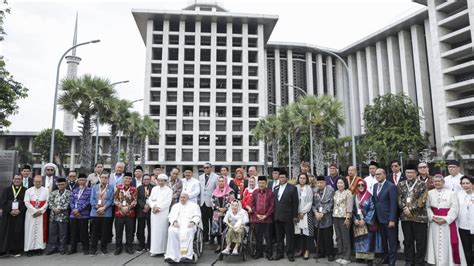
[
  {"x": 286, "y": 209},
  {"x": 55, "y": 178},
  {"x": 71, "y": 186},
  {"x": 142, "y": 201},
  {"x": 270, "y": 184},
  {"x": 390, "y": 178}
]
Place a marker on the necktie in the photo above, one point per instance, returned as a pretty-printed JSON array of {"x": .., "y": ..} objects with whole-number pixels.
[
  {"x": 379, "y": 188},
  {"x": 395, "y": 179},
  {"x": 207, "y": 179}
]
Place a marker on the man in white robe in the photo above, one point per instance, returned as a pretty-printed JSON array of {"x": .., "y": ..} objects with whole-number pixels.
[
  {"x": 184, "y": 219},
  {"x": 444, "y": 244},
  {"x": 453, "y": 180},
  {"x": 36, "y": 202},
  {"x": 191, "y": 185},
  {"x": 159, "y": 202}
]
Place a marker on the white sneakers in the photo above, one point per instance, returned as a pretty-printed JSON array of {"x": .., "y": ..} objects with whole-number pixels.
[
  {"x": 343, "y": 261},
  {"x": 226, "y": 251}
]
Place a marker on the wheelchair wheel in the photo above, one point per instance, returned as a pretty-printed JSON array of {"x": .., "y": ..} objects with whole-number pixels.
[
  {"x": 198, "y": 243},
  {"x": 251, "y": 242}
]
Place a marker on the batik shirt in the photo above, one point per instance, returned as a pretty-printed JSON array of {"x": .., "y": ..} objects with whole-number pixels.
[{"x": 58, "y": 200}]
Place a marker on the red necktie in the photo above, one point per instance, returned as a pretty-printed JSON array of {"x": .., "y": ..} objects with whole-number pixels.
[{"x": 395, "y": 179}]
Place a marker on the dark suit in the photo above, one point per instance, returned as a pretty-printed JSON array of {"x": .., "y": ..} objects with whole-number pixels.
[
  {"x": 54, "y": 187},
  {"x": 30, "y": 182},
  {"x": 71, "y": 185},
  {"x": 386, "y": 210},
  {"x": 286, "y": 210},
  {"x": 143, "y": 217},
  {"x": 270, "y": 185},
  {"x": 390, "y": 178}
]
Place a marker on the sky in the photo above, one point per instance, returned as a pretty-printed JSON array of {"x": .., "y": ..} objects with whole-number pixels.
[{"x": 39, "y": 32}]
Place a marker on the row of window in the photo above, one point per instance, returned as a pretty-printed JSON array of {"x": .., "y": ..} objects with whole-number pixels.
[
  {"x": 190, "y": 26},
  {"x": 204, "y": 55},
  {"x": 204, "y": 97},
  {"x": 173, "y": 39},
  {"x": 204, "y": 69},
  {"x": 204, "y": 111},
  {"x": 204, "y": 155},
  {"x": 205, "y": 125},
  {"x": 204, "y": 140},
  {"x": 204, "y": 83}
]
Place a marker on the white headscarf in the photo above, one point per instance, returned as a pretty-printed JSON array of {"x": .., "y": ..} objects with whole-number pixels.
[{"x": 56, "y": 172}]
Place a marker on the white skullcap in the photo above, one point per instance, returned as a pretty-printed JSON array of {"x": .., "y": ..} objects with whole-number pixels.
[{"x": 162, "y": 177}]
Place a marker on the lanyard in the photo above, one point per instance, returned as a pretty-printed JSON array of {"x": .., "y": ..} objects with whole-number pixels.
[
  {"x": 103, "y": 190},
  {"x": 15, "y": 193},
  {"x": 352, "y": 182},
  {"x": 410, "y": 189}
]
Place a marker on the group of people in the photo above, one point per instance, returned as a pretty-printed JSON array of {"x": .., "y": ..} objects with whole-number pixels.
[{"x": 54, "y": 214}]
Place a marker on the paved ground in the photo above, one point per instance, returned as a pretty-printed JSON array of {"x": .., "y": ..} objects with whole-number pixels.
[{"x": 145, "y": 259}]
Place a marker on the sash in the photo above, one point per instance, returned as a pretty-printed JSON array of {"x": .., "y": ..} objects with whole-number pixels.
[
  {"x": 40, "y": 204},
  {"x": 183, "y": 242},
  {"x": 453, "y": 233}
]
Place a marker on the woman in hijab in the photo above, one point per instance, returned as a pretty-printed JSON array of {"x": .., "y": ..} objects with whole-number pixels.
[
  {"x": 366, "y": 239},
  {"x": 247, "y": 199},
  {"x": 222, "y": 196},
  {"x": 235, "y": 219},
  {"x": 240, "y": 183}
]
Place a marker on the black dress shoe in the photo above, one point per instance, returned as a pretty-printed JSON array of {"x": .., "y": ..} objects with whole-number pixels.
[
  {"x": 278, "y": 257},
  {"x": 118, "y": 251},
  {"x": 70, "y": 252},
  {"x": 129, "y": 250},
  {"x": 291, "y": 258},
  {"x": 104, "y": 250},
  {"x": 257, "y": 256},
  {"x": 29, "y": 254},
  {"x": 50, "y": 252},
  {"x": 331, "y": 258},
  {"x": 269, "y": 258}
]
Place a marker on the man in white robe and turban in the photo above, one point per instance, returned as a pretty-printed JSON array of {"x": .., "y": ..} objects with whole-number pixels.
[
  {"x": 159, "y": 202},
  {"x": 184, "y": 220}
]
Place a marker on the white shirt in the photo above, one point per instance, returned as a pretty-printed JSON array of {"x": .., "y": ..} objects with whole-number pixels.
[
  {"x": 48, "y": 183},
  {"x": 380, "y": 186},
  {"x": 453, "y": 183},
  {"x": 281, "y": 190},
  {"x": 275, "y": 183},
  {"x": 192, "y": 187},
  {"x": 466, "y": 211},
  {"x": 371, "y": 181},
  {"x": 138, "y": 182},
  {"x": 397, "y": 179}
]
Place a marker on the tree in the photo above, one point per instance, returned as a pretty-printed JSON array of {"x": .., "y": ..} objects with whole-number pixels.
[
  {"x": 392, "y": 122},
  {"x": 324, "y": 114},
  {"x": 148, "y": 130},
  {"x": 455, "y": 149},
  {"x": 42, "y": 143},
  {"x": 116, "y": 117},
  {"x": 85, "y": 97},
  {"x": 10, "y": 90},
  {"x": 132, "y": 130},
  {"x": 268, "y": 131}
]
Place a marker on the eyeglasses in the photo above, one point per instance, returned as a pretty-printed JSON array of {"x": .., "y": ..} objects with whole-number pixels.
[
  {"x": 361, "y": 185},
  {"x": 422, "y": 166}
]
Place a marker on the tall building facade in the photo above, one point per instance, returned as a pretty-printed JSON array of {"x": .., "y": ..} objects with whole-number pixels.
[{"x": 210, "y": 74}]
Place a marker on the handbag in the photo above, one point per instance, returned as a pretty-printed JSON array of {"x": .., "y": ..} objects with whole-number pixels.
[{"x": 360, "y": 230}]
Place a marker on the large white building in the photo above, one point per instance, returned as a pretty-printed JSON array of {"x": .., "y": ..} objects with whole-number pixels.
[{"x": 210, "y": 74}]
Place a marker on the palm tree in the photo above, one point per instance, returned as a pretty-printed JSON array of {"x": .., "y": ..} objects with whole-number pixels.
[
  {"x": 324, "y": 114},
  {"x": 116, "y": 117},
  {"x": 268, "y": 131},
  {"x": 132, "y": 131},
  {"x": 85, "y": 97},
  {"x": 148, "y": 130}
]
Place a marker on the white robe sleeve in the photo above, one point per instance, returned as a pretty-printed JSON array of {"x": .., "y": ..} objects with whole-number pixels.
[
  {"x": 453, "y": 210},
  {"x": 166, "y": 203},
  {"x": 151, "y": 201},
  {"x": 196, "y": 216},
  {"x": 173, "y": 216}
]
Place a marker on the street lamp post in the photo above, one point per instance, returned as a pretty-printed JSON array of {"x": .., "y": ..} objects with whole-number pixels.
[
  {"x": 98, "y": 123},
  {"x": 53, "y": 126},
  {"x": 310, "y": 127},
  {"x": 352, "y": 102}
]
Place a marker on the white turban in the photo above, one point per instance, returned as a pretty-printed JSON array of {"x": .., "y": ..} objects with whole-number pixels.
[
  {"x": 163, "y": 177},
  {"x": 50, "y": 165}
]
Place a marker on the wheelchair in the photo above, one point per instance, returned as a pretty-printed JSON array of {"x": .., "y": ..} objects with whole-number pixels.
[
  {"x": 198, "y": 244},
  {"x": 247, "y": 244}
]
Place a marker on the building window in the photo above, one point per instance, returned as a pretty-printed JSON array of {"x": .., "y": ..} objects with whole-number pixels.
[
  {"x": 188, "y": 69},
  {"x": 205, "y": 55},
  {"x": 188, "y": 140},
  {"x": 187, "y": 155},
  {"x": 237, "y": 140},
  {"x": 172, "y": 82},
  {"x": 252, "y": 125},
  {"x": 221, "y": 140},
  {"x": 236, "y": 97},
  {"x": 237, "y": 70},
  {"x": 155, "y": 96},
  {"x": 205, "y": 40},
  {"x": 222, "y": 27},
  {"x": 221, "y": 111},
  {"x": 221, "y": 41},
  {"x": 157, "y": 38},
  {"x": 188, "y": 83},
  {"x": 237, "y": 42},
  {"x": 172, "y": 96},
  {"x": 154, "y": 110},
  {"x": 236, "y": 28},
  {"x": 204, "y": 140},
  {"x": 205, "y": 83},
  {"x": 253, "y": 111},
  {"x": 170, "y": 154},
  {"x": 252, "y": 141},
  {"x": 156, "y": 68},
  {"x": 237, "y": 155},
  {"x": 221, "y": 97},
  {"x": 187, "y": 125},
  {"x": 221, "y": 125},
  {"x": 236, "y": 111},
  {"x": 188, "y": 111},
  {"x": 221, "y": 70},
  {"x": 204, "y": 111},
  {"x": 174, "y": 25},
  {"x": 206, "y": 26},
  {"x": 173, "y": 39},
  {"x": 221, "y": 83},
  {"x": 188, "y": 96},
  {"x": 236, "y": 56},
  {"x": 156, "y": 54},
  {"x": 221, "y": 55},
  {"x": 190, "y": 26},
  {"x": 253, "y": 156},
  {"x": 204, "y": 125},
  {"x": 157, "y": 25},
  {"x": 189, "y": 54},
  {"x": 221, "y": 155},
  {"x": 252, "y": 28},
  {"x": 253, "y": 98},
  {"x": 253, "y": 56},
  {"x": 253, "y": 84},
  {"x": 173, "y": 54},
  {"x": 171, "y": 125},
  {"x": 253, "y": 42},
  {"x": 153, "y": 154},
  {"x": 171, "y": 110},
  {"x": 203, "y": 155},
  {"x": 170, "y": 140},
  {"x": 205, "y": 70},
  {"x": 204, "y": 97},
  {"x": 237, "y": 84},
  {"x": 155, "y": 82},
  {"x": 189, "y": 40},
  {"x": 253, "y": 71},
  {"x": 236, "y": 125}
]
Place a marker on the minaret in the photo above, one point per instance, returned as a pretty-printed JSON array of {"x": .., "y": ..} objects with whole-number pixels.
[{"x": 72, "y": 64}]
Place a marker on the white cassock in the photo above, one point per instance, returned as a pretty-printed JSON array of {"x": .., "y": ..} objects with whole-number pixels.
[
  {"x": 36, "y": 199},
  {"x": 192, "y": 188},
  {"x": 443, "y": 203},
  {"x": 180, "y": 239},
  {"x": 160, "y": 197}
]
